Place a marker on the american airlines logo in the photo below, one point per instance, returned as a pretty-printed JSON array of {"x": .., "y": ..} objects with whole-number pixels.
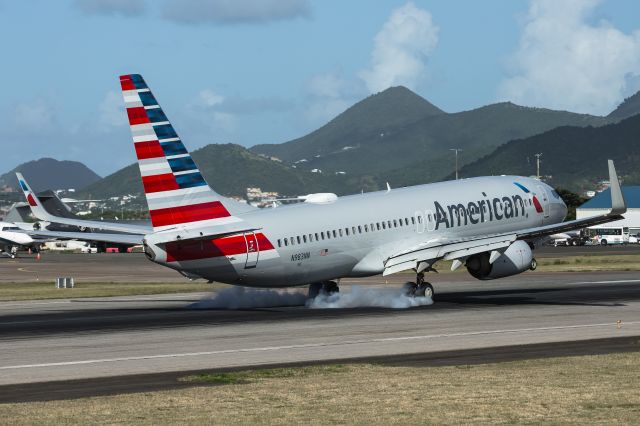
[{"x": 474, "y": 212}]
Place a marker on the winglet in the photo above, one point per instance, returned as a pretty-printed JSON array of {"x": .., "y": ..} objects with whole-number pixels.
[{"x": 618, "y": 206}]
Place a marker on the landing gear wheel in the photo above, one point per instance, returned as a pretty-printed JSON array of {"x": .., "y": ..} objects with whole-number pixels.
[
  {"x": 410, "y": 288},
  {"x": 330, "y": 287},
  {"x": 314, "y": 290},
  {"x": 534, "y": 264},
  {"x": 424, "y": 290}
]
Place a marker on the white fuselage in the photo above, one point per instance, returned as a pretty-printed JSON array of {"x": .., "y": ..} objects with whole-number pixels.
[{"x": 354, "y": 235}]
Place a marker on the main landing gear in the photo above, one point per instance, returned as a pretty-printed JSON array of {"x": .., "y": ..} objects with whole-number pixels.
[
  {"x": 420, "y": 288},
  {"x": 324, "y": 287}
]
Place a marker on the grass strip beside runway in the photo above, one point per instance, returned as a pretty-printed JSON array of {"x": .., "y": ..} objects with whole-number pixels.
[
  {"x": 583, "y": 390},
  {"x": 47, "y": 290}
]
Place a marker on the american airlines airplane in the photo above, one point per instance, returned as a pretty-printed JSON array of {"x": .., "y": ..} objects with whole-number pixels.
[{"x": 487, "y": 224}]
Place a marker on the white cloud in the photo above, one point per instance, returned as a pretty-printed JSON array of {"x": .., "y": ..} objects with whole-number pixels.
[
  {"x": 234, "y": 11},
  {"x": 209, "y": 98},
  {"x": 111, "y": 7},
  {"x": 401, "y": 49},
  {"x": 111, "y": 111},
  {"x": 207, "y": 107},
  {"x": 327, "y": 95},
  {"x": 34, "y": 116},
  {"x": 566, "y": 62},
  {"x": 329, "y": 85}
]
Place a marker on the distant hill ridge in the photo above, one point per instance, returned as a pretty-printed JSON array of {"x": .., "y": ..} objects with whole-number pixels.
[
  {"x": 629, "y": 107},
  {"x": 396, "y": 130},
  {"x": 48, "y": 173},
  {"x": 393, "y": 136},
  {"x": 574, "y": 157}
]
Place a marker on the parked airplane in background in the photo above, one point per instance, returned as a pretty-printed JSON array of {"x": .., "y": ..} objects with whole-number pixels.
[
  {"x": 488, "y": 224},
  {"x": 12, "y": 237}
]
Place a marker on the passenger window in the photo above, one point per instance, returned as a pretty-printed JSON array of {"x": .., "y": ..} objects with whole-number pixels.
[
  {"x": 304, "y": 238},
  {"x": 286, "y": 242},
  {"x": 384, "y": 225},
  {"x": 413, "y": 220},
  {"x": 378, "y": 226},
  {"x": 317, "y": 239},
  {"x": 322, "y": 235},
  {"x": 279, "y": 243},
  {"x": 340, "y": 231},
  {"x": 335, "y": 235},
  {"x": 359, "y": 229},
  {"x": 346, "y": 230},
  {"x": 293, "y": 240},
  {"x": 366, "y": 228},
  {"x": 406, "y": 221},
  {"x": 328, "y": 235}
]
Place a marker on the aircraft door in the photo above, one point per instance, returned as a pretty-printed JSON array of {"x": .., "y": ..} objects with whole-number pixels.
[
  {"x": 544, "y": 200},
  {"x": 253, "y": 251}
]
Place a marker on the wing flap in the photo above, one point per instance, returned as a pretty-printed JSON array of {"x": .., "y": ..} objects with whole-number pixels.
[{"x": 452, "y": 249}]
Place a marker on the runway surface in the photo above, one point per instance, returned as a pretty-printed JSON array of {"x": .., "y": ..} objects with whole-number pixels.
[{"x": 91, "y": 338}]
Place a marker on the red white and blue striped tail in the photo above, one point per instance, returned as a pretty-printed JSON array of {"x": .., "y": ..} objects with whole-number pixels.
[{"x": 176, "y": 192}]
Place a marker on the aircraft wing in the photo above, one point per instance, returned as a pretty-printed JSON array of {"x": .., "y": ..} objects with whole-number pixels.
[
  {"x": 89, "y": 236},
  {"x": 423, "y": 255},
  {"x": 42, "y": 214}
]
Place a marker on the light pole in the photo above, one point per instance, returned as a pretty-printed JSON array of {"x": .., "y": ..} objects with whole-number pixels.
[
  {"x": 456, "y": 151},
  {"x": 538, "y": 164}
]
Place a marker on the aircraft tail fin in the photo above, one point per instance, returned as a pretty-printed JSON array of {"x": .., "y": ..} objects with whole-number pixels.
[
  {"x": 36, "y": 206},
  {"x": 177, "y": 194}
]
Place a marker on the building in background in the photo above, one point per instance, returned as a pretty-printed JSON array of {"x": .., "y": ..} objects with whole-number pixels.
[{"x": 601, "y": 203}]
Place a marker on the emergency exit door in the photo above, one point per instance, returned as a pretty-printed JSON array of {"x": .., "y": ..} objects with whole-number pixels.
[{"x": 253, "y": 251}]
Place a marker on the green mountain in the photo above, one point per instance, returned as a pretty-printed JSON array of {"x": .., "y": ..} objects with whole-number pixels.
[
  {"x": 230, "y": 169},
  {"x": 573, "y": 157},
  {"x": 630, "y": 106},
  {"x": 378, "y": 117},
  {"x": 47, "y": 173},
  {"x": 396, "y": 133}
]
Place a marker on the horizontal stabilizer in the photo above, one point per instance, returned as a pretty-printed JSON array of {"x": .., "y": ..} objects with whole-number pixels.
[{"x": 88, "y": 236}]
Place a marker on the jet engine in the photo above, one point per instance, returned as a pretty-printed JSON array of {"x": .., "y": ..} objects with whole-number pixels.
[{"x": 516, "y": 259}]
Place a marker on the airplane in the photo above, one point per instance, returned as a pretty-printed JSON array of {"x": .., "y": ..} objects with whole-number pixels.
[
  {"x": 488, "y": 224},
  {"x": 569, "y": 238},
  {"x": 12, "y": 237}
]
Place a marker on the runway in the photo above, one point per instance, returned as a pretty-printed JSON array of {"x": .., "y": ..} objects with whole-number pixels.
[{"x": 61, "y": 340}]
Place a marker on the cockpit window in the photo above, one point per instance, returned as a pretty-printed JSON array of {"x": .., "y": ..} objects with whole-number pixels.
[
  {"x": 555, "y": 194},
  {"x": 10, "y": 228}
]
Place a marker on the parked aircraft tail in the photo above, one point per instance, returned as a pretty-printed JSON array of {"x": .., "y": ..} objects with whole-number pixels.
[{"x": 176, "y": 191}]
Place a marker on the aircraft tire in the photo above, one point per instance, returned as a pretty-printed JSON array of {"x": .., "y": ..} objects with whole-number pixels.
[
  {"x": 314, "y": 290},
  {"x": 534, "y": 264},
  {"x": 409, "y": 288},
  {"x": 330, "y": 287},
  {"x": 424, "y": 290}
]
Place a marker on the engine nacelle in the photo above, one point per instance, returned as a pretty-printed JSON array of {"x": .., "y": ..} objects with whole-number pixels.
[{"x": 516, "y": 259}]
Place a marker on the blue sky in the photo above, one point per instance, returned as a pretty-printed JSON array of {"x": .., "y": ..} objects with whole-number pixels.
[{"x": 267, "y": 71}]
